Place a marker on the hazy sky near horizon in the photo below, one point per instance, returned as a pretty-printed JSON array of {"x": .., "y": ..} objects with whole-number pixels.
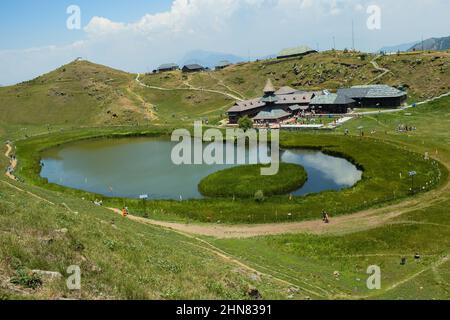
[{"x": 138, "y": 35}]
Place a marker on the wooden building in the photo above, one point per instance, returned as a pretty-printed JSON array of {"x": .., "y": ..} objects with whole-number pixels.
[{"x": 286, "y": 99}]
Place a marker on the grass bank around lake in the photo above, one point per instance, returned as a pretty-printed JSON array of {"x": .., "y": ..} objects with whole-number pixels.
[{"x": 385, "y": 180}]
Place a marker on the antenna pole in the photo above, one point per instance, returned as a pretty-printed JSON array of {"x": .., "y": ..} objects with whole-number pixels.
[{"x": 353, "y": 35}]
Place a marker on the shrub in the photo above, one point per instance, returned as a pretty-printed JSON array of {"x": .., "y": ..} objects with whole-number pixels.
[
  {"x": 245, "y": 123},
  {"x": 259, "y": 196},
  {"x": 26, "y": 279}
]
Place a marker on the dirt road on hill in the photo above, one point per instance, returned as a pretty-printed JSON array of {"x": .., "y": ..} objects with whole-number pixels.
[
  {"x": 377, "y": 66},
  {"x": 190, "y": 87},
  {"x": 12, "y": 162}
]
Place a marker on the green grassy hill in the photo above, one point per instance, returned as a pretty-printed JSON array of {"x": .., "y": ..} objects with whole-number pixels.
[
  {"x": 122, "y": 258},
  {"x": 80, "y": 93},
  {"x": 83, "y": 93},
  {"x": 424, "y": 74}
]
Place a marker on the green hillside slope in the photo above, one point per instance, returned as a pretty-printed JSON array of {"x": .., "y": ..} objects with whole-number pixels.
[
  {"x": 79, "y": 93},
  {"x": 83, "y": 93}
]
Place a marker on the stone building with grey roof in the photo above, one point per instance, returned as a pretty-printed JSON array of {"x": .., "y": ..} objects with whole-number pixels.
[
  {"x": 295, "y": 52},
  {"x": 168, "y": 67},
  {"x": 375, "y": 96},
  {"x": 190, "y": 68},
  {"x": 332, "y": 104}
]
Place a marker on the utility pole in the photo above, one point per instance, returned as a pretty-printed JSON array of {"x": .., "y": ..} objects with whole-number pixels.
[
  {"x": 353, "y": 35},
  {"x": 334, "y": 42}
]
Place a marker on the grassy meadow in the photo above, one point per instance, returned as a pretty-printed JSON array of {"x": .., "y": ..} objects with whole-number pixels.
[
  {"x": 48, "y": 227},
  {"x": 312, "y": 260}
]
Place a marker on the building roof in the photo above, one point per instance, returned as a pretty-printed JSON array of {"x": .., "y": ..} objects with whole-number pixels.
[
  {"x": 193, "y": 67},
  {"x": 241, "y": 106},
  {"x": 285, "y": 90},
  {"x": 372, "y": 91},
  {"x": 331, "y": 98},
  {"x": 168, "y": 66},
  {"x": 295, "y": 51},
  {"x": 298, "y": 107},
  {"x": 223, "y": 64},
  {"x": 274, "y": 114},
  {"x": 296, "y": 98},
  {"x": 269, "y": 88},
  {"x": 270, "y": 98}
]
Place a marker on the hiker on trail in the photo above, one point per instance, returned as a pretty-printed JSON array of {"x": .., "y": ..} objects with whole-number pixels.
[
  {"x": 325, "y": 217},
  {"x": 124, "y": 212}
]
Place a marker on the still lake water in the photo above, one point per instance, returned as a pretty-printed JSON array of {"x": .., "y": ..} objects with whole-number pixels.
[{"x": 131, "y": 167}]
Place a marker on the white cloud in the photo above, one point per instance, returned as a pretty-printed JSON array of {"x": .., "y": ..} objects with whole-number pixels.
[{"x": 99, "y": 26}]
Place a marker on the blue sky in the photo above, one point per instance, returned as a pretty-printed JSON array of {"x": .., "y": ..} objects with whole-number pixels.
[
  {"x": 138, "y": 35},
  {"x": 33, "y": 23}
]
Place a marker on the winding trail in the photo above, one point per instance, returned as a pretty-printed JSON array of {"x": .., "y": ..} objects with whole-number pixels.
[
  {"x": 12, "y": 162},
  {"x": 377, "y": 66},
  {"x": 221, "y": 83},
  {"x": 190, "y": 88},
  {"x": 351, "y": 223}
]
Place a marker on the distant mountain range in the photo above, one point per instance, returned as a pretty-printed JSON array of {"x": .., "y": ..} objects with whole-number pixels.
[
  {"x": 435, "y": 44},
  {"x": 400, "y": 47},
  {"x": 209, "y": 59}
]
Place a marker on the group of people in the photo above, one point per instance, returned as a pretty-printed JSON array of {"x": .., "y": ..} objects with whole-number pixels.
[{"x": 406, "y": 128}]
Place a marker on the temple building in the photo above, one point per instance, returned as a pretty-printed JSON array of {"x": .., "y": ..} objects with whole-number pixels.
[
  {"x": 286, "y": 103},
  {"x": 273, "y": 105}
]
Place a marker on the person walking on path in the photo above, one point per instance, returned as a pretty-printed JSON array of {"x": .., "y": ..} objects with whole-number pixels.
[{"x": 325, "y": 217}]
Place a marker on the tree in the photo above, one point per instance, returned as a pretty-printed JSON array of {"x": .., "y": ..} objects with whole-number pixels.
[{"x": 245, "y": 123}]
